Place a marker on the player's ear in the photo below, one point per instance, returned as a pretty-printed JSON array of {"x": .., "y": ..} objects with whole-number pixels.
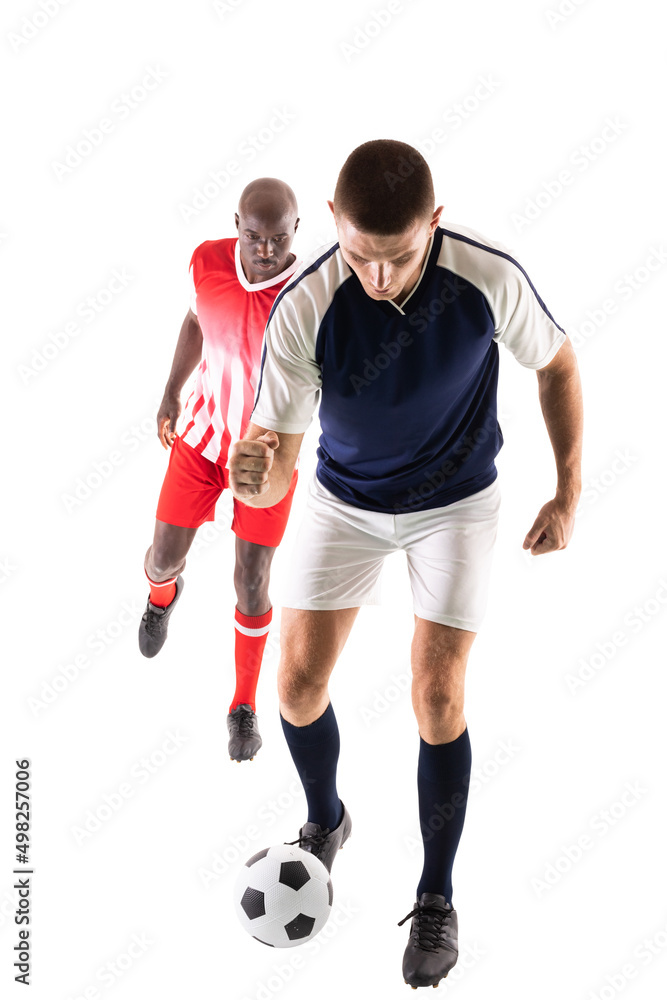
[
  {"x": 435, "y": 219},
  {"x": 236, "y": 219},
  {"x": 296, "y": 224},
  {"x": 330, "y": 204}
]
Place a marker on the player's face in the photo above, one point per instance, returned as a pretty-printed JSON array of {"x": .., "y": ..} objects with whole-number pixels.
[
  {"x": 264, "y": 243},
  {"x": 387, "y": 266}
]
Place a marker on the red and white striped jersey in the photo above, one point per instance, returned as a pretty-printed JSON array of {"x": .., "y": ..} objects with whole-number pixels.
[{"x": 232, "y": 314}]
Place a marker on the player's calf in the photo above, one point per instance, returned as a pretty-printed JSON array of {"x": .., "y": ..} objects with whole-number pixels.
[{"x": 252, "y": 591}]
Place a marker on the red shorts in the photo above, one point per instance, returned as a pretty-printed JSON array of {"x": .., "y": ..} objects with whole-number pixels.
[{"x": 190, "y": 491}]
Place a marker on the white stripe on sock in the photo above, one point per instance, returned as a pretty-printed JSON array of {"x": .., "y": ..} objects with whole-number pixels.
[{"x": 252, "y": 631}]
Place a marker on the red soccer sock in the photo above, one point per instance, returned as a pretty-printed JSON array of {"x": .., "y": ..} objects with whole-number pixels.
[
  {"x": 251, "y": 635},
  {"x": 163, "y": 593}
]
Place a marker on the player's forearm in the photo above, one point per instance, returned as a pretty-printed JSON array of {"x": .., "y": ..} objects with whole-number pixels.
[
  {"x": 279, "y": 483},
  {"x": 562, "y": 407},
  {"x": 250, "y": 474},
  {"x": 186, "y": 356}
]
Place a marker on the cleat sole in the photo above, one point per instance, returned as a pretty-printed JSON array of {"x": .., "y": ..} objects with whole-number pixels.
[{"x": 434, "y": 985}]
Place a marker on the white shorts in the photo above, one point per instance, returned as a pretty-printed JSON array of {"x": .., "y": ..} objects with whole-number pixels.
[{"x": 339, "y": 550}]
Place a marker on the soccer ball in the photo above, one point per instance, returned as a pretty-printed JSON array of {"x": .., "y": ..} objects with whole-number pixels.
[{"x": 283, "y": 896}]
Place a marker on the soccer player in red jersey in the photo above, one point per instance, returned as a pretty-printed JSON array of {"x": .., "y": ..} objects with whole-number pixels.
[{"x": 235, "y": 282}]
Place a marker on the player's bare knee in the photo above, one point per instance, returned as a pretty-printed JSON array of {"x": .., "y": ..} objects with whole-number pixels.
[
  {"x": 292, "y": 691},
  {"x": 298, "y": 692},
  {"x": 436, "y": 703},
  {"x": 161, "y": 564}
]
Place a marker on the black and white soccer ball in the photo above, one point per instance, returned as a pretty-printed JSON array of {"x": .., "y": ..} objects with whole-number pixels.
[{"x": 283, "y": 896}]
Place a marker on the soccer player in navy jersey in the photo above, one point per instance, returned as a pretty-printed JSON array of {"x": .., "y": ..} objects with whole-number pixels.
[{"x": 394, "y": 329}]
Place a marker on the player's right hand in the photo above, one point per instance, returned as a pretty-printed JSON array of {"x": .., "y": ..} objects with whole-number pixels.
[
  {"x": 249, "y": 465},
  {"x": 168, "y": 414}
]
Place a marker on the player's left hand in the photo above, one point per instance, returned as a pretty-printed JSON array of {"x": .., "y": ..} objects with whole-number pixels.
[{"x": 553, "y": 527}]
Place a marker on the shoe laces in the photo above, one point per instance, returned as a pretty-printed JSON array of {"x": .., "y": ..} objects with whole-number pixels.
[
  {"x": 244, "y": 719},
  {"x": 153, "y": 620},
  {"x": 312, "y": 840},
  {"x": 430, "y": 922}
]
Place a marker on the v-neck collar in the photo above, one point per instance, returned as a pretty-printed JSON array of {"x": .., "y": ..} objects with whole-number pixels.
[{"x": 257, "y": 286}]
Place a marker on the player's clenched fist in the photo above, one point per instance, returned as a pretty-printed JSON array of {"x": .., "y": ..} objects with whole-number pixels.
[{"x": 249, "y": 465}]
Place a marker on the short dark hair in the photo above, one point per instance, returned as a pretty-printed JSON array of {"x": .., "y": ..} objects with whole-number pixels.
[{"x": 384, "y": 187}]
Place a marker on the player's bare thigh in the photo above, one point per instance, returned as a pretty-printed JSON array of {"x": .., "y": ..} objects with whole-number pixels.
[
  {"x": 310, "y": 644},
  {"x": 439, "y": 659}
]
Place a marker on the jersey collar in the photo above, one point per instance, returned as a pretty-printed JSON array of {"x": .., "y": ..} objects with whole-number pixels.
[{"x": 258, "y": 286}]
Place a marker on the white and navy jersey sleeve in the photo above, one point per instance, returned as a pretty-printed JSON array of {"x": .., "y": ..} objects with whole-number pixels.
[
  {"x": 290, "y": 381},
  {"x": 522, "y": 322},
  {"x": 289, "y": 385}
]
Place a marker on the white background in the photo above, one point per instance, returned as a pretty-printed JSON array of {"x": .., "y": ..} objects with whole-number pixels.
[{"x": 71, "y": 569}]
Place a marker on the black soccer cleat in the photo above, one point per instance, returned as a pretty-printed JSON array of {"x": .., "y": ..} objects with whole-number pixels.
[
  {"x": 433, "y": 947},
  {"x": 324, "y": 844},
  {"x": 244, "y": 738},
  {"x": 155, "y": 622}
]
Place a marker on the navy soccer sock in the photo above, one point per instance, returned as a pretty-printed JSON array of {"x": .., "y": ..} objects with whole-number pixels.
[
  {"x": 315, "y": 750},
  {"x": 443, "y": 777}
]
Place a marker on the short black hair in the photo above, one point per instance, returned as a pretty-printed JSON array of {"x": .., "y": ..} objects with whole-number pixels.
[{"x": 384, "y": 187}]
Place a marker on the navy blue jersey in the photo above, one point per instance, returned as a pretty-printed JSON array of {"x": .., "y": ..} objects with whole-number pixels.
[{"x": 407, "y": 393}]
